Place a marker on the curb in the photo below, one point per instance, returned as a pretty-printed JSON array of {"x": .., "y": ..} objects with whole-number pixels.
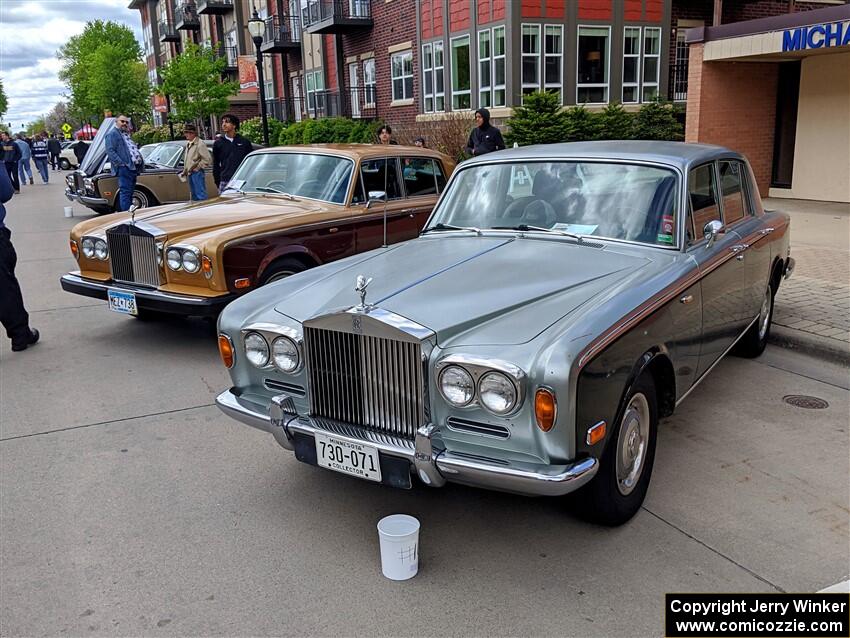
[{"x": 811, "y": 344}]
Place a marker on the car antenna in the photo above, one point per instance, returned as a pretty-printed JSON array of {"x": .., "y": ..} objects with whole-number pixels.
[{"x": 386, "y": 196}]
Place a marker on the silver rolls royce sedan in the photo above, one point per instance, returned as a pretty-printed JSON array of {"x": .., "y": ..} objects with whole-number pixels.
[{"x": 560, "y": 300}]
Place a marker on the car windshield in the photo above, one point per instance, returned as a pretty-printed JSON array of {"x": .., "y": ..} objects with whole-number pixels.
[
  {"x": 167, "y": 154},
  {"x": 630, "y": 202},
  {"x": 299, "y": 174}
]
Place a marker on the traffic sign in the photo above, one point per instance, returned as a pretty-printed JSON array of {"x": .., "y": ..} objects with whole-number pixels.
[{"x": 66, "y": 128}]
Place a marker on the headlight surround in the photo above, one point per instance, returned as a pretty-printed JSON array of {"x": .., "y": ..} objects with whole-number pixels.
[
  {"x": 87, "y": 247},
  {"x": 457, "y": 386},
  {"x": 497, "y": 393},
  {"x": 101, "y": 250},
  {"x": 257, "y": 349},
  {"x": 174, "y": 259},
  {"x": 88, "y": 184},
  {"x": 285, "y": 354},
  {"x": 191, "y": 261}
]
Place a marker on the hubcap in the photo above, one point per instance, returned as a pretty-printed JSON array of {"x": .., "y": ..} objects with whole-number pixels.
[
  {"x": 764, "y": 314},
  {"x": 632, "y": 443}
]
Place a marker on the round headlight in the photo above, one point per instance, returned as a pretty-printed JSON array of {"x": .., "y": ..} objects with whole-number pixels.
[
  {"x": 88, "y": 248},
  {"x": 174, "y": 259},
  {"x": 256, "y": 349},
  {"x": 457, "y": 386},
  {"x": 101, "y": 251},
  {"x": 285, "y": 354},
  {"x": 191, "y": 263},
  {"x": 497, "y": 393}
]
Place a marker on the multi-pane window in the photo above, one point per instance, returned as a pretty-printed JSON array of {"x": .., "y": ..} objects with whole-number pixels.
[
  {"x": 631, "y": 65},
  {"x": 402, "y": 75},
  {"x": 485, "y": 69},
  {"x": 369, "y": 82},
  {"x": 530, "y": 58},
  {"x": 499, "y": 66},
  {"x": 592, "y": 65},
  {"x": 315, "y": 82},
  {"x": 651, "y": 62},
  {"x": 461, "y": 91},
  {"x": 433, "y": 90},
  {"x": 553, "y": 57}
]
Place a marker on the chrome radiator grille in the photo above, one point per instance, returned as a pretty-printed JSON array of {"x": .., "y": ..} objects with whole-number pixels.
[
  {"x": 133, "y": 257},
  {"x": 367, "y": 381}
]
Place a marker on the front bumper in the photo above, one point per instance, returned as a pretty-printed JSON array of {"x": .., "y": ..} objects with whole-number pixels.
[
  {"x": 433, "y": 464},
  {"x": 149, "y": 299},
  {"x": 789, "y": 267},
  {"x": 71, "y": 195}
]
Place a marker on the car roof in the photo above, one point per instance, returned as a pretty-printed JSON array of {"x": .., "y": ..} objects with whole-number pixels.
[
  {"x": 679, "y": 154},
  {"x": 364, "y": 151}
]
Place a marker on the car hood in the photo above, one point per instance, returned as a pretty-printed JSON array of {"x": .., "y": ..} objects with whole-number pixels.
[{"x": 506, "y": 290}]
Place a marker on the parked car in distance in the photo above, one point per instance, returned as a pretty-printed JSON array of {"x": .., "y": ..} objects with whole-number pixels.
[
  {"x": 67, "y": 157},
  {"x": 560, "y": 300},
  {"x": 288, "y": 209}
]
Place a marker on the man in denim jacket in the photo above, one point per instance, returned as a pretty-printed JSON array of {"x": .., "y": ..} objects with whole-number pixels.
[{"x": 126, "y": 160}]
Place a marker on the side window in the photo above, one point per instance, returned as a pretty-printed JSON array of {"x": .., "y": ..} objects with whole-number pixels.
[
  {"x": 418, "y": 176},
  {"x": 381, "y": 175},
  {"x": 703, "y": 198},
  {"x": 731, "y": 183},
  {"x": 441, "y": 176}
]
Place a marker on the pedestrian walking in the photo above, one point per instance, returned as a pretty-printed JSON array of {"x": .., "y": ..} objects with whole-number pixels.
[
  {"x": 54, "y": 147},
  {"x": 125, "y": 159},
  {"x": 11, "y": 157},
  {"x": 484, "y": 138},
  {"x": 195, "y": 163},
  {"x": 39, "y": 156},
  {"x": 228, "y": 151},
  {"x": 13, "y": 315},
  {"x": 24, "y": 165}
]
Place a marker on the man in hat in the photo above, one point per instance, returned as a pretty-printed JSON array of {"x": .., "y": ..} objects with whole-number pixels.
[{"x": 195, "y": 162}]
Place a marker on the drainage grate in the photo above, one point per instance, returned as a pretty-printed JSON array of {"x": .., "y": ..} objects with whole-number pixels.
[{"x": 804, "y": 401}]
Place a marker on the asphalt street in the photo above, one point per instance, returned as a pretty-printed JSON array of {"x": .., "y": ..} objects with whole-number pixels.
[{"x": 129, "y": 505}]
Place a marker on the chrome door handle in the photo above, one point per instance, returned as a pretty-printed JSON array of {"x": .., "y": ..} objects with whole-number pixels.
[
  {"x": 766, "y": 231},
  {"x": 686, "y": 299},
  {"x": 740, "y": 257},
  {"x": 739, "y": 247}
]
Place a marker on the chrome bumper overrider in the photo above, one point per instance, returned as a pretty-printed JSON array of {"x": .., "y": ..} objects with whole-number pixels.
[
  {"x": 434, "y": 465},
  {"x": 789, "y": 267}
]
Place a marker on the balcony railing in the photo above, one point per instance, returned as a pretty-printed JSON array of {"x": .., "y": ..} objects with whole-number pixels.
[
  {"x": 167, "y": 32},
  {"x": 679, "y": 73},
  {"x": 214, "y": 7},
  {"x": 336, "y": 16},
  {"x": 186, "y": 16},
  {"x": 283, "y": 33},
  {"x": 353, "y": 102}
]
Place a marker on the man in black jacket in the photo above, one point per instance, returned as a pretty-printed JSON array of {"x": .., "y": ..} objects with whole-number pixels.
[
  {"x": 54, "y": 147},
  {"x": 484, "y": 138},
  {"x": 228, "y": 151},
  {"x": 11, "y": 156}
]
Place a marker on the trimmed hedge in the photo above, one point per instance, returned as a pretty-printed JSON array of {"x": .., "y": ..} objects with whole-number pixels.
[{"x": 329, "y": 130}]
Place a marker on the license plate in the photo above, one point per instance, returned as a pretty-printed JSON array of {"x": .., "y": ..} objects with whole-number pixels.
[
  {"x": 123, "y": 302},
  {"x": 348, "y": 457}
]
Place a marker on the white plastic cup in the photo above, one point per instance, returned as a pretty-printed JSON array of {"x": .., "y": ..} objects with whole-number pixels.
[
  {"x": 399, "y": 538},
  {"x": 69, "y": 211}
]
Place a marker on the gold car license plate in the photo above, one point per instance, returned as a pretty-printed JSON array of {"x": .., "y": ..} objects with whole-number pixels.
[
  {"x": 123, "y": 302},
  {"x": 348, "y": 457}
]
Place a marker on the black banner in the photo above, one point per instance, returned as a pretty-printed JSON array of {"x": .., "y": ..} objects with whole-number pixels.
[{"x": 758, "y": 615}]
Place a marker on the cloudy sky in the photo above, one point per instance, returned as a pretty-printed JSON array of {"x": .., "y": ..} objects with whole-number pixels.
[{"x": 31, "y": 34}]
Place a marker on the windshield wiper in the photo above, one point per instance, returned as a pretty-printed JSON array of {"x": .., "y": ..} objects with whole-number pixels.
[
  {"x": 442, "y": 226},
  {"x": 526, "y": 228},
  {"x": 268, "y": 189}
]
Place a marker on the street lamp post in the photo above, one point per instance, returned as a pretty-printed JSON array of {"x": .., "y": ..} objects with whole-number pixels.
[{"x": 256, "y": 27}]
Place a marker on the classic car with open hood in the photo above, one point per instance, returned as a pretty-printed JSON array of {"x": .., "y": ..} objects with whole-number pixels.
[
  {"x": 286, "y": 210},
  {"x": 560, "y": 300}
]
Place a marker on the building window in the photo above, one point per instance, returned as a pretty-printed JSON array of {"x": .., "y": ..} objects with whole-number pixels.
[
  {"x": 402, "y": 75},
  {"x": 433, "y": 89},
  {"x": 499, "y": 66},
  {"x": 461, "y": 92},
  {"x": 315, "y": 92},
  {"x": 592, "y": 63},
  {"x": 485, "y": 69},
  {"x": 651, "y": 62},
  {"x": 369, "y": 82},
  {"x": 631, "y": 65},
  {"x": 553, "y": 58},
  {"x": 530, "y": 58}
]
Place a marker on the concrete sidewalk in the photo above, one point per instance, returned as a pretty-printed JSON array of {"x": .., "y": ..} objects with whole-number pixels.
[{"x": 812, "y": 309}]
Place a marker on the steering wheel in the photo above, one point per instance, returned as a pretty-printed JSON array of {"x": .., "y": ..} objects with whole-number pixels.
[
  {"x": 311, "y": 188},
  {"x": 515, "y": 210},
  {"x": 540, "y": 213}
]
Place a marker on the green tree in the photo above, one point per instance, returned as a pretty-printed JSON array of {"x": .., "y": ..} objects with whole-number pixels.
[
  {"x": 103, "y": 70},
  {"x": 614, "y": 123},
  {"x": 193, "y": 81},
  {"x": 36, "y": 126},
  {"x": 581, "y": 124},
  {"x": 656, "y": 120},
  {"x": 540, "y": 120},
  {"x": 4, "y": 103}
]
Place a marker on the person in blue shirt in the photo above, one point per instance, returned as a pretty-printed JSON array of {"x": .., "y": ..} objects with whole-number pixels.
[
  {"x": 24, "y": 165},
  {"x": 13, "y": 315},
  {"x": 126, "y": 160}
]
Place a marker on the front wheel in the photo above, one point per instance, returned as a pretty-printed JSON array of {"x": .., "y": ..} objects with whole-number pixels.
[
  {"x": 141, "y": 199},
  {"x": 281, "y": 269},
  {"x": 64, "y": 164},
  {"x": 617, "y": 491},
  {"x": 754, "y": 341}
]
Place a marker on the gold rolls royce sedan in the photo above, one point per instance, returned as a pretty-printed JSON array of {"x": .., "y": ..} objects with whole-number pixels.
[{"x": 286, "y": 209}]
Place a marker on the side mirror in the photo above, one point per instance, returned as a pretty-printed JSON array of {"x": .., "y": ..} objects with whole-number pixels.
[
  {"x": 376, "y": 197},
  {"x": 712, "y": 229}
]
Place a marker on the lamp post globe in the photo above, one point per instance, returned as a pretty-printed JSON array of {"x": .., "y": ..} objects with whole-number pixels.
[{"x": 257, "y": 27}]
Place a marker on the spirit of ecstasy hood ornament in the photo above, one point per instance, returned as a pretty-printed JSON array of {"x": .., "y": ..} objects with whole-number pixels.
[
  {"x": 132, "y": 211},
  {"x": 360, "y": 288}
]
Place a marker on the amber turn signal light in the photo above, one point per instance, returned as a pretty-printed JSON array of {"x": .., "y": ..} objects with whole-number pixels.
[
  {"x": 241, "y": 283},
  {"x": 74, "y": 250},
  {"x": 596, "y": 433},
  {"x": 225, "y": 349},
  {"x": 545, "y": 409},
  {"x": 206, "y": 266}
]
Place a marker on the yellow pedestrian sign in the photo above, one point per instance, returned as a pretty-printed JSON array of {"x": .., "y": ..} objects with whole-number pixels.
[{"x": 66, "y": 128}]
